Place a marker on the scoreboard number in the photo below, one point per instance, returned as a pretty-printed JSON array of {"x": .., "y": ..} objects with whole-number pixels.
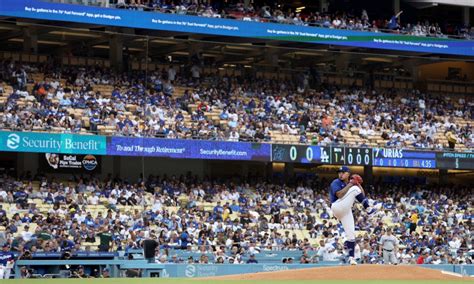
[
  {"x": 359, "y": 156},
  {"x": 293, "y": 153},
  {"x": 309, "y": 154}
]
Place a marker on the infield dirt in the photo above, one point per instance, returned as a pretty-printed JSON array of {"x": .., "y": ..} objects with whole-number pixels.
[{"x": 359, "y": 272}]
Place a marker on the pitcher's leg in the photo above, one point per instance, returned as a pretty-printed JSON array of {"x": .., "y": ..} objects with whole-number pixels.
[{"x": 349, "y": 228}]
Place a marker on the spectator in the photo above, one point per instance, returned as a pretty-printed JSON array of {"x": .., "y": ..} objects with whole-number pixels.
[
  {"x": 452, "y": 139},
  {"x": 393, "y": 23}
]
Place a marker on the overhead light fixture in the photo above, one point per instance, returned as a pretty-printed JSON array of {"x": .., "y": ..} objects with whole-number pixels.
[
  {"x": 40, "y": 41},
  {"x": 180, "y": 53},
  {"x": 299, "y": 9},
  {"x": 239, "y": 47},
  {"x": 378, "y": 59},
  {"x": 5, "y": 28},
  {"x": 60, "y": 33},
  {"x": 164, "y": 41},
  {"x": 108, "y": 47},
  {"x": 307, "y": 53}
]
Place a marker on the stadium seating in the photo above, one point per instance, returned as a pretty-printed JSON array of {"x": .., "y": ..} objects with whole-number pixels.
[
  {"x": 290, "y": 237},
  {"x": 341, "y": 130}
]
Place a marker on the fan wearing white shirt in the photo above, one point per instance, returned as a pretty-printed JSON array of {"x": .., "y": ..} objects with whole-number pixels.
[
  {"x": 26, "y": 235},
  {"x": 93, "y": 199},
  {"x": 234, "y": 136},
  {"x": 172, "y": 73}
]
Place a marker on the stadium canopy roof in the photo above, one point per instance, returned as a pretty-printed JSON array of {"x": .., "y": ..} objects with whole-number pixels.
[
  {"x": 429, "y": 3},
  {"x": 69, "y": 38}
]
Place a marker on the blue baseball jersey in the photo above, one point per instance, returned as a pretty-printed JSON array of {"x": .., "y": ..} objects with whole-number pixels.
[
  {"x": 335, "y": 186},
  {"x": 5, "y": 257}
]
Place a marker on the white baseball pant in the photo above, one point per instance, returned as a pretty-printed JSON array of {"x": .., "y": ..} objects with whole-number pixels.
[
  {"x": 5, "y": 272},
  {"x": 342, "y": 210}
]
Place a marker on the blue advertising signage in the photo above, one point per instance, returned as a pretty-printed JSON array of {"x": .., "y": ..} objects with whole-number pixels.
[
  {"x": 52, "y": 143},
  {"x": 36, "y": 9},
  {"x": 386, "y": 157},
  {"x": 188, "y": 149}
]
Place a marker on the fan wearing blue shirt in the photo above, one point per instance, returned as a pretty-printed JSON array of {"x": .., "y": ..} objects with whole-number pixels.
[{"x": 393, "y": 23}]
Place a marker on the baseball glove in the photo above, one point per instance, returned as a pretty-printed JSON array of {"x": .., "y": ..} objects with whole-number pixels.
[{"x": 356, "y": 179}]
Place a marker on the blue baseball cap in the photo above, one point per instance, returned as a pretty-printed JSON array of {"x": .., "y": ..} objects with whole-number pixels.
[{"x": 344, "y": 169}]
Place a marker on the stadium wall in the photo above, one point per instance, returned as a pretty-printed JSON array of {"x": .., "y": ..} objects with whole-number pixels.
[{"x": 117, "y": 267}]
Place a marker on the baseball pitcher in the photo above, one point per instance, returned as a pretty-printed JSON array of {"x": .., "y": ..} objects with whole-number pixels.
[{"x": 343, "y": 193}]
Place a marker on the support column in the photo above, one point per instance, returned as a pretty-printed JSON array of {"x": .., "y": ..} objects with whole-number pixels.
[
  {"x": 245, "y": 170},
  {"x": 271, "y": 56},
  {"x": 269, "y": 172},
  {"x": 116, "y": 52},
  {"x": 30, "y": 40},
  {"x": 289, "y": 171},
  {"x": 246, "y": 3},
  {"x": 368, "y": 175},
  {"x": 342, "y": 61},
  {"x": 466, "y": 16},
  {"x": 412, "y": 67},
  {"x": 116, "y": 168},
  {"x": 443, "y": 176},
  {"x": 323, "y": 6},
  {"x": 396, "y": 6},
  {"x": 195, "y": 49}
]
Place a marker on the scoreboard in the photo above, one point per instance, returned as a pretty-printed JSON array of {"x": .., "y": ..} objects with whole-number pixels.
[
  {"x": 301, "y": 154},
  {"x": 453, "y": 160},
  {"x": 384, "y": 157},
  {"x": 377, "y": 157},
  {"x": 351, "y": 156},
  {"x": 322, "y": 155}
]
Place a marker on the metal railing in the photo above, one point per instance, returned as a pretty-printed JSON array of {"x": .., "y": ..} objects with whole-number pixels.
[{"x": 56, "y": 130}]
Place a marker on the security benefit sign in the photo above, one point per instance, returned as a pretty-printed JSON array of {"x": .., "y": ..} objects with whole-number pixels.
[
  {"x": 64, "y": 143},
  {"x": 70, "y": 163}
]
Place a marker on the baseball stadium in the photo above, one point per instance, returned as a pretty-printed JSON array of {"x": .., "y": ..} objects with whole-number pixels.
[{"x": 236, "y": 141}]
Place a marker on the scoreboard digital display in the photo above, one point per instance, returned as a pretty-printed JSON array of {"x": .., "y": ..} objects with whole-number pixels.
[
  {"x": 322, "y": 155},
  {"x": 301, "y": 154},
  {"x": 455, "y": 160},
  {"x": 376, "y": 157},
  {"x": 351, "y": 156},
  {"x": 387, "y": 157}
]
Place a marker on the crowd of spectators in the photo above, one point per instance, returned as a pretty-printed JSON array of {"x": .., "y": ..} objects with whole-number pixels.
[
  {"x": 231, "y": 220},
  {"x": 232, "y": 108},
  {"x": 277, "y": 14}
]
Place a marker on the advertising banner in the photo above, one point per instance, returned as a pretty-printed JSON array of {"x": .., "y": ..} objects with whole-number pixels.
[
  {"x": 52, "y": 143},
  {"x": 69, "y": 163},
  {"x": 211, "y": 270},
  {"x": 84, "y": 147},
  {"x": 188, "y": 149},
  {"x": 36, "y": 9}
]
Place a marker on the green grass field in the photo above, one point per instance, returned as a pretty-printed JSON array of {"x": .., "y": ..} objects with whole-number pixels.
[{"x": 197, "y": 281}]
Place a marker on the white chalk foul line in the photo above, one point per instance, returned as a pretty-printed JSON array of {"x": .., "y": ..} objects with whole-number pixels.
[{"x": 451, "y": 273}]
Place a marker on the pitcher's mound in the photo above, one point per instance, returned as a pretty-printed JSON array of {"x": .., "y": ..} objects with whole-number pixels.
[{"x": 359, "y": 272}]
